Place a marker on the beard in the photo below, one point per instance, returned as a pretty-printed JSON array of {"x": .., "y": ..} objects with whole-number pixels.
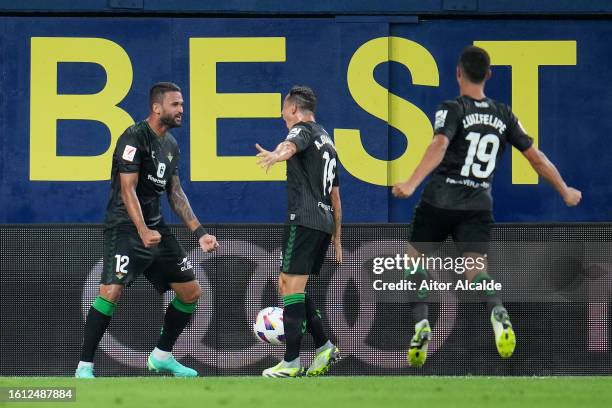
[{"x": 171, "y": 121}]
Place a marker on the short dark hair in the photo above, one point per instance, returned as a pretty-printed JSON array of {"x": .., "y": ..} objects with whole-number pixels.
[
  {"x": 156, "y": 94},
  {"x": 474, "y": 63},
  {"x": 304, "y": 97}
]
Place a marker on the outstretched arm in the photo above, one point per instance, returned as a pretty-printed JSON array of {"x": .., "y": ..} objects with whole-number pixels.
[
  {"x": 284, "y": 151},
  {"x": 180, "y": 205},
  {"x": 431, "y": 159},
  {"x": 549, "y": 172}
]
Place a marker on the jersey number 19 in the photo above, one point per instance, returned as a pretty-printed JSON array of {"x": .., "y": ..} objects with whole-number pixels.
[
  {"x": 478, "y": 147},
  {"x": 329, "y": 174}
]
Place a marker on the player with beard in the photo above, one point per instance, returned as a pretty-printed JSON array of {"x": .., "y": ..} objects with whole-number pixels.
[{"x": 136, "y": 238}]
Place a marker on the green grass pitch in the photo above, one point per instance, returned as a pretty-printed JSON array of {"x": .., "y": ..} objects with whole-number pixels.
[{"x": 336, "y": 392}]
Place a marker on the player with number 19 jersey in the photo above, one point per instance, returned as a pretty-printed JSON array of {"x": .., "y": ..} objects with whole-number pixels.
[
  {"x": 311, "y": 174},
  {"x": 471, "y": 133},
  {"x": 478, "y": 131}
]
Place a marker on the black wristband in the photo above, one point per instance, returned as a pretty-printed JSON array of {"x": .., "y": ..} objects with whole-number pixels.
[{"x": 200, "y": 231}]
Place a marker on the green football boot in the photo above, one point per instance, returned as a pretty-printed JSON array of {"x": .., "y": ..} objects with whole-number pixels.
[
  {"x": 283, "y": 370},
  {"x": 170, "y": 365},
  {"x": 505, "y": 339},
  {"x": 323, "y": 361},
  {"x": 84, "y": 372},
  {"x": 417, "y": 353}
]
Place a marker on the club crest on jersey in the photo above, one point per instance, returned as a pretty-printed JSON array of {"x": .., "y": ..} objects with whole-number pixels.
[
  {"x": 170, "y": 157},
  {"x": 293, "y": 133},
  {"x": 128, "y": 153},
  {"x": 440, "y": 118}
]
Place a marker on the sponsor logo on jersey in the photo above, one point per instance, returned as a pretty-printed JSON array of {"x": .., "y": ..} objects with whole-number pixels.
[
  {"x": 293, "y": 133},
  {"x": 161, "y": 169},
  {"x": 161, "y": 183},
  {"x": 128, "y": 153},
  {"x": 292, "y": 217},
  {"x": 481, "y": 104},
  {"x": 468, "y": 183},
  {"x": 440, "y": 119},
  {"x": 324, "y": 206}
]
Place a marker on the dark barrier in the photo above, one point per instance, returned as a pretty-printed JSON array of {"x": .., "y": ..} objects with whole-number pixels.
[{"x": 49, "y": 276}]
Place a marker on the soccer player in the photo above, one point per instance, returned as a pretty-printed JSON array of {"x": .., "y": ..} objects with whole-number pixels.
[
  {"x": 136, "y": 239},
  {"x": 314, "y": 219},
  {"x": 470, "y": 134}
]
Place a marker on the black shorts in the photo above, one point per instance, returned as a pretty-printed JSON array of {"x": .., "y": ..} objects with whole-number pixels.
[
  {"x": 304, "y": 250},
  {"x": 126, "y": 258},
  {"x": 470, "y": 229}
]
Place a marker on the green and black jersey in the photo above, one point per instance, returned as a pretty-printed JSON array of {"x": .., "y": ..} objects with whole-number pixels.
[
  {"x": 155, "y": 159},
  {"x": 311, "y": 174},
  {"x": 478, "y": 131}
]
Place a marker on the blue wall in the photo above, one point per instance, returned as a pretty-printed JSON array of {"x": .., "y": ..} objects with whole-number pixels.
[{"x": 573, "y": 120}]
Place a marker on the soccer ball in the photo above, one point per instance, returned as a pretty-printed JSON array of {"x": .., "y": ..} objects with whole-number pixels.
[{"x": 269, "y": 327}]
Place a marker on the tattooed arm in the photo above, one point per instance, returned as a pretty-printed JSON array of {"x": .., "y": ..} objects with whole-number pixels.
[
  {"x": 180, "y": 204},
  {"x": 181, "y": 207}
]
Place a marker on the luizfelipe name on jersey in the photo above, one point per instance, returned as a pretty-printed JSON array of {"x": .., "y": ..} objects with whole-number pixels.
[
  {"x": 325, "y": 139},
  {"x": 484, "y": 119}
]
